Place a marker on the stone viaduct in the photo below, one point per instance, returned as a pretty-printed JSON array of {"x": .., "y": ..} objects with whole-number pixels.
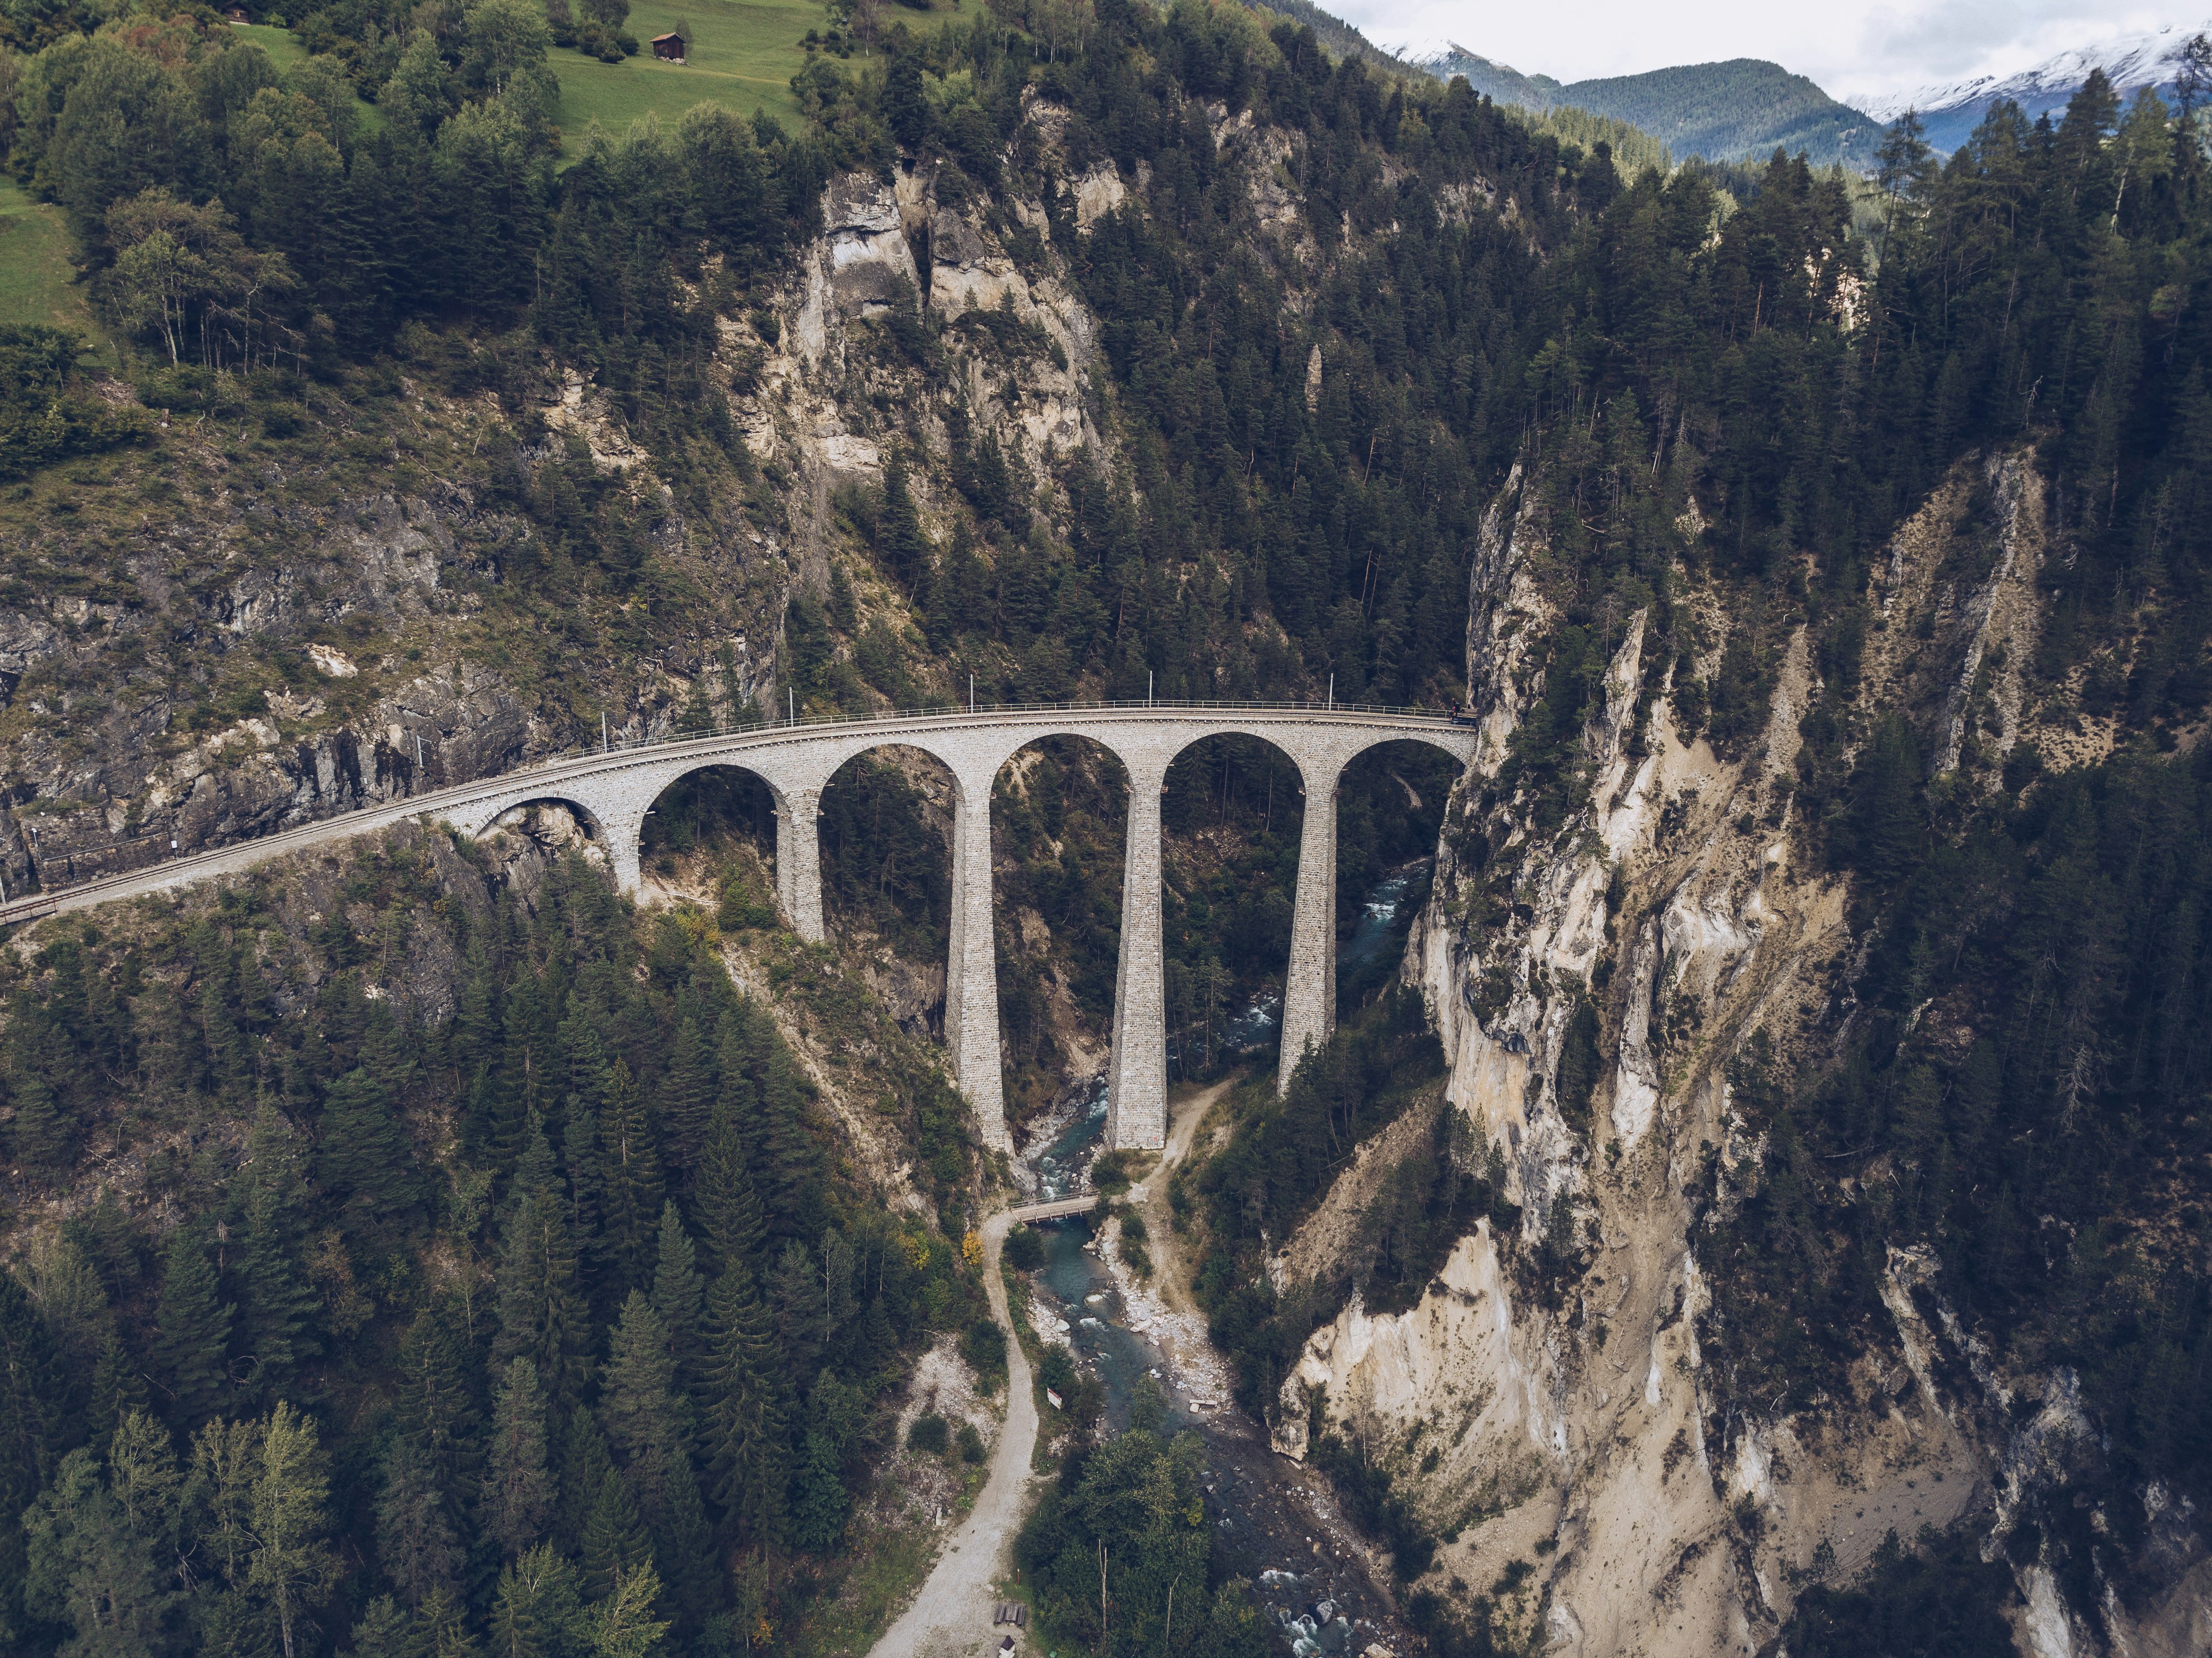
[{"x": 613, "y": 790}]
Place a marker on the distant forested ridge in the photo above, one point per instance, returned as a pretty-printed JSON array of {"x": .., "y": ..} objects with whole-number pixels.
[{"x": 1743, "y": 109}]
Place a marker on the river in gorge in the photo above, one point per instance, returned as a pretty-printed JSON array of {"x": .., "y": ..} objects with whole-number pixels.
[{"x": 1275, "y": 1521}]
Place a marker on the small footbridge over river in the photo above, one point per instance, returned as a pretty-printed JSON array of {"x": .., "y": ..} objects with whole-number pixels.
[{"x": 612, "y": 789}]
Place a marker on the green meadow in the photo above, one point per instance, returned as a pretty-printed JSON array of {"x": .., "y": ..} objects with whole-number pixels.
[
  {"x": 37, "y": 282},
  {"x": 743, "y": 53}
]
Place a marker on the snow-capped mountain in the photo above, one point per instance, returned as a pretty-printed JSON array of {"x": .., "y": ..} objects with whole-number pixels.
[{"x": 1951, "y": 112}]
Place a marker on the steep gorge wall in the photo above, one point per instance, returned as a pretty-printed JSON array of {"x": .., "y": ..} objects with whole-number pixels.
[{"x": 1575, "y": 1424}]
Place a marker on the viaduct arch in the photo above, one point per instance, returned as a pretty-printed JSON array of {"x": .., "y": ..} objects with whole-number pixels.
[{"x": 613, "y": 790}]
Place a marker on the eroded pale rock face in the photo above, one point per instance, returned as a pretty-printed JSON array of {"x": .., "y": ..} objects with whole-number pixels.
[
  {"x": 1394, "y": 1371},
  {"x": 1629, "y": 1462},
  {"x": 1097, "y": 193},
  {"x": 866, "y": 257}
]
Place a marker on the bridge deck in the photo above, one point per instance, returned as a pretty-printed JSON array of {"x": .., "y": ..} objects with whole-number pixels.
[
  {"x": 551, "y": 774},
  {"x": 1054, "y": 1211}
]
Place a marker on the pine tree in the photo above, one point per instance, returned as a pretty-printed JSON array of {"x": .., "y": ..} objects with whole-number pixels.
[
  {"x": 615, "y": 1540},
  {"x": 684, "y": 1546},
  {"x": 741, "y": 1410},
  {"x": 630, "y": 1193},
  {"x": 118, "y": 1386},
  {"x": 732, "y": 1225},
  {"x": 686, "y": 1098},
  {"x": 1890, "y": 825},
  {"x": 584, "y": 1056},
  {"x": 905, "y": 548},
  {"x": 876, "y": 1350},
  {"x": 638, "y": 1405},
  {"x": 536, "y": 1608},
  {"x": 229, "y": 1056},
  {"x": 579, "y": 1170},
  {"x": 678, "y": 1291},
  {"x": 517, "y": 1498},
  {"x": 541, "y": 1315},
  {"x": 483, "y": 1122},
  {"x": 390, "y": 1053},
  {"x": 43, "y": 1142},
  {"x": 584, "y": 1460},
  {"x": 231, "y": 1623},
  {"x": 476, "y": 1035},
  {"x": 365, "y": 1162},
  {"x": 191, "y": 1330},
  {"x": 416, "y": 1541},
  {"x": 818, "y": 1516},
  {"x": 794, "y": 1293},
  {"x": 435, "y": 1403},
  {"x": 793, "y": 1158},
  {"x": 386, "y": 1629},
  {"x": 742, "y": 1043},
  {"x": 525, "y": 1068},
  {"x": 277, "y": 1306},
  {"x": 443, "y": 1627}
]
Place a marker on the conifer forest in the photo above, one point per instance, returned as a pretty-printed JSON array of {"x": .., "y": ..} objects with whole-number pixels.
[{"x": 1754, "y": 1199}]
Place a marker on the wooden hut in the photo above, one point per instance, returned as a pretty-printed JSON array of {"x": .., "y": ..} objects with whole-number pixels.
[{"x": 670, "y": 46}]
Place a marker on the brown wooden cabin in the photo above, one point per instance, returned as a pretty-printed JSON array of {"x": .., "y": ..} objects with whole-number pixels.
[{"x": 670, "y": 46}]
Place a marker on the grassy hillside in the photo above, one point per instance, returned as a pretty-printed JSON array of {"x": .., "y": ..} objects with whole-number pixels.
[
  {"x": 37, "y": 280},
  {"x": 743, "y": 53}
]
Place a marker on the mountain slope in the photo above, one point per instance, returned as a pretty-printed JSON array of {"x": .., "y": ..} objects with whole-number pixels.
[
  {"x": 1951, "y": 112},
  {"x": 1502, "y": 82},
  {"x": 1818, "y": 950},
  {"x": 1739, "y": 110}
]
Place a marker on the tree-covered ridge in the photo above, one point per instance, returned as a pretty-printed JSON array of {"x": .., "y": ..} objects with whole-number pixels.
[
  {"x": 481, "y": 1273},
  {"x": 238, "y": 217},
  {"x": 1753, "y": 409},
  {"x": 1741, "y": 110}
]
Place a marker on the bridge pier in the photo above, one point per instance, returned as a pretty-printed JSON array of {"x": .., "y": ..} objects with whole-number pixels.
[
  {"x": 971, "y": 975},
  {"x": 616, "y": 789},
  {"x": 799, "y": 861},
  {"x": 1309, "y": 983},
  {"x": 1137, "y": 1068},
  {"x": 625, "y": 837}
]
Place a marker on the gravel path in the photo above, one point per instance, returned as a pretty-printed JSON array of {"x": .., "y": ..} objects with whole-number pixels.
[{"x": 951, "y": 1616}]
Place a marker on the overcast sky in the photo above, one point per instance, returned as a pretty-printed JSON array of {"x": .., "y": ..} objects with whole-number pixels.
[{"x": 1850, "y": 46}]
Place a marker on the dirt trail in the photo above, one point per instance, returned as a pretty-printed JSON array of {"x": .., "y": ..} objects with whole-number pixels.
[
  {"x": 951, "y": 1616},
  {"x": 1150, "y": 1195}
]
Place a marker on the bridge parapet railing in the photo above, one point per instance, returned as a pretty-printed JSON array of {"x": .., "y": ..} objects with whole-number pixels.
[{"x": 986, "y": 711}]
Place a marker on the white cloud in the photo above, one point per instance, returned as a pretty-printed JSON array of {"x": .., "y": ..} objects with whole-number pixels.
[{"x": 1850, "y": 48}]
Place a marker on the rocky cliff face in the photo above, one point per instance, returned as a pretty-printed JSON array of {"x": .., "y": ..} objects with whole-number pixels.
[
  {"x": 237, "y": 631},
  {"x": 1576, "y": 1424}
]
